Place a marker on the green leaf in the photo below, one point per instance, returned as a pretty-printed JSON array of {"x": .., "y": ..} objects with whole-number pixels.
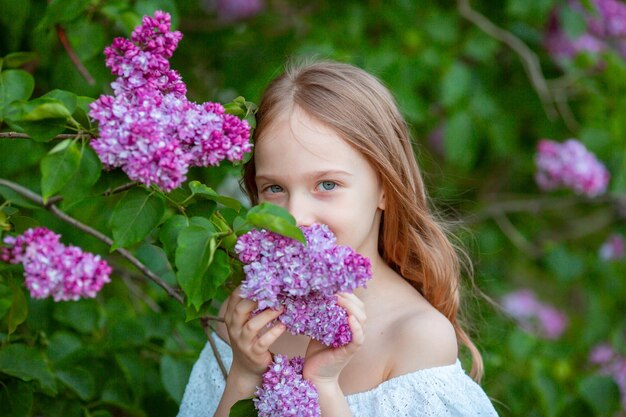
[
  {"x": 199, "y": 189},
  {"x": 174, "y": 376},
  {"x": 6, "y": 299},
  {"x": 87, "y": 38},
  {"x": 276, "y": 219},
  {"x": 41, "y": 130},
  {"x": 80, "y": 184},
  {"x": 28, "y": 364},
  {"x": 601, "y": 393},
  {"x": 460, "y": 142},
  {"x": 16, "y": 398},
  {"x": 168, "y": 234},
  {"x": 81, "y": 315},
  {"x": 196, "y": 247},
  {"x": 456, "y": 84},
  {"x": 58, "y": 167},
  {"x": 135, "y": 216},
  {"x": 62, "y": 345},
  {"x": 68, "y": 99},
  {"x": 62, "y": 11},
  {"x": 13, "y": 18},
  {"x": 44, "y": 108},
  {"x": 243, "y": 408},
  {"x": 17, "y": 59},
  {"x": 79, "y": 380},
  {"x": 14, "y": 85},
  {"x": 155, "y": 259},
  {"x": 19, "y": 308}
]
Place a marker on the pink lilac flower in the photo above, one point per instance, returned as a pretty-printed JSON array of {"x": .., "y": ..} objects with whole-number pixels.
[
  {"x": 614, "y": 248},
  {"x": 533, "y": 315},
  {"x": 570, "y": 165},
  {"x": 284, "y": 391},
  {"x": 283, "y": 272},
  {"x": 233, "y": 10},
  {"x": 148, "y": 128},
  {"x": 605, "y": 29},
  {"x": 611, "y": 363},
  {"x": 52, "y": 269}
]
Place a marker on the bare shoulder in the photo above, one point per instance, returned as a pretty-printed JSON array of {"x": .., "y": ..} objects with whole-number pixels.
[
  {"x": 220, "y": 329},
  {"x": 422, "y": 338}
]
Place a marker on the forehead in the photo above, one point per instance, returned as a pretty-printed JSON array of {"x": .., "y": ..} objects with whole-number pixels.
[{"x": 299, "y": 142}]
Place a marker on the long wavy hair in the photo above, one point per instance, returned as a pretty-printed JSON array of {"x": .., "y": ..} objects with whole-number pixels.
[{"x": 363, "y": 112}]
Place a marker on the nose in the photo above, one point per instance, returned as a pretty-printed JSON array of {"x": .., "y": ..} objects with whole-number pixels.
[{"x": 301, "y": 209}]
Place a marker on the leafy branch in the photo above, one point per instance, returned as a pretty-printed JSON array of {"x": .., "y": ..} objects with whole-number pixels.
[{"x": 24, "y": 192}]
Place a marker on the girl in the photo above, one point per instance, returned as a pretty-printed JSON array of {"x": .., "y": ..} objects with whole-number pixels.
[{"x": 332, "y": 148}]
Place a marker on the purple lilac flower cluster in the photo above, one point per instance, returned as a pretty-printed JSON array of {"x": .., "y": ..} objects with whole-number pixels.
[
  {"x": 611, "y": 363},
  {"x": 570, "y": 165},
  {"x": 148, "y": 128},
  {"x": 285, "y": 392},
  {"x": 304, "y": 279},
  {"x": 533, "y": 315},
  {"x": 54, "y": 270},
  {"x": 614, "y": 248},
  {"x": 233, "y": 10},
  {"x": 605, "y": 29}
]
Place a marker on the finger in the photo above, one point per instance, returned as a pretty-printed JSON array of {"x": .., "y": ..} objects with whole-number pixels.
[
  {"x": 358, "y": 331},
  {"x": 241, "y": 313},
  {"x": 353, "y": 306},
  {"x": 256, "y": 324},
  {"x": 263, "y": 343},
  {"x": 233, "y": 299}
]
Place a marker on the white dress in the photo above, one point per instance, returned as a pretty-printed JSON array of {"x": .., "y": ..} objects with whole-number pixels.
[{"x": 443, "y": 391}]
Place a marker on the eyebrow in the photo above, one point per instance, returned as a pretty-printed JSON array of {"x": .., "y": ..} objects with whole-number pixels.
[{"x": 314, "y": 174}]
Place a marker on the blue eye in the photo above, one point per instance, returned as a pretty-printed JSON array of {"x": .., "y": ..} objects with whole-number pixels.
[
  {"x": 275, "y": 189},
  {"x": 327, "y": 185}
]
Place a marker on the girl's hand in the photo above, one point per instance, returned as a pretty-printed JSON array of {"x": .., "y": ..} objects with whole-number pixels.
[
  {"x": 323, "y": 364},
  {"x": 250, "y": 339}
]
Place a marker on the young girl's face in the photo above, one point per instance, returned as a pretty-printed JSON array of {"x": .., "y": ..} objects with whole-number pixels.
[{"x": 305, "y": 167}]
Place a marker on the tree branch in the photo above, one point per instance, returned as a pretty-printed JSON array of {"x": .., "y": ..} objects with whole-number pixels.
[
  {"x": 530, "y": 61},
  {"x": 207, "y": 331},
  {"x": 74, "y": 222},
  {"x": 72, "y": 54},
  {"x": 16, "y": 135}
]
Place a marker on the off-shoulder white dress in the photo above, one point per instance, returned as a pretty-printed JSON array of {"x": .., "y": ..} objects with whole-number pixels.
[{"x": 444, "y": 391}]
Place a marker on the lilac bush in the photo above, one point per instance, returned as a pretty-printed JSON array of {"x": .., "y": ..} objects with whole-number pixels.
[
  {"x": 570, "y": 165},
  {"x": 284, "y": 392},
  {"x": 148, "y": 127},
  {"x": 611, "y": 363},
  {"x": 533, "y": 315},
  {"x": 605, "y": 30},
  {"x": 614, "y": 248},
  {"x": 304, "y": 279},
  {"x": 52, "y": 269}
]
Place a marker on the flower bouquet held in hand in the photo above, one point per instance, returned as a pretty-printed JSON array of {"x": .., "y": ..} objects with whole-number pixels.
[{"x": 304, "y": 281}]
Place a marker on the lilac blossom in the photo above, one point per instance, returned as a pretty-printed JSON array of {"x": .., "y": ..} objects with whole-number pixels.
[
  {"x": 611, "y": 363},
  {"x": 233, "y": 10},
  {"x": 570, "y": 165},
  {"x": 52, "y": 269},
  {"x": 614, "y": 248},
  {"x": 148, "y": 128},
  {"x": 605, "y": 29},
  {"x": 533, "y": 315},
  {"x": 285, "y": 392},
  {"x": 283, "y": 272}
]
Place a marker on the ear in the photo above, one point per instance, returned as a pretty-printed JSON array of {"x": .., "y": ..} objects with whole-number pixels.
[{"x": 381, "y": 200}]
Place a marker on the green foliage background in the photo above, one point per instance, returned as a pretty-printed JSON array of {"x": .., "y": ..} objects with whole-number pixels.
[{"x": 476, "y": 115}]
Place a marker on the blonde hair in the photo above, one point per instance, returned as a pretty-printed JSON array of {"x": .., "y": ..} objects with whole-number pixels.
[{"x": 363, "y": 112}]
